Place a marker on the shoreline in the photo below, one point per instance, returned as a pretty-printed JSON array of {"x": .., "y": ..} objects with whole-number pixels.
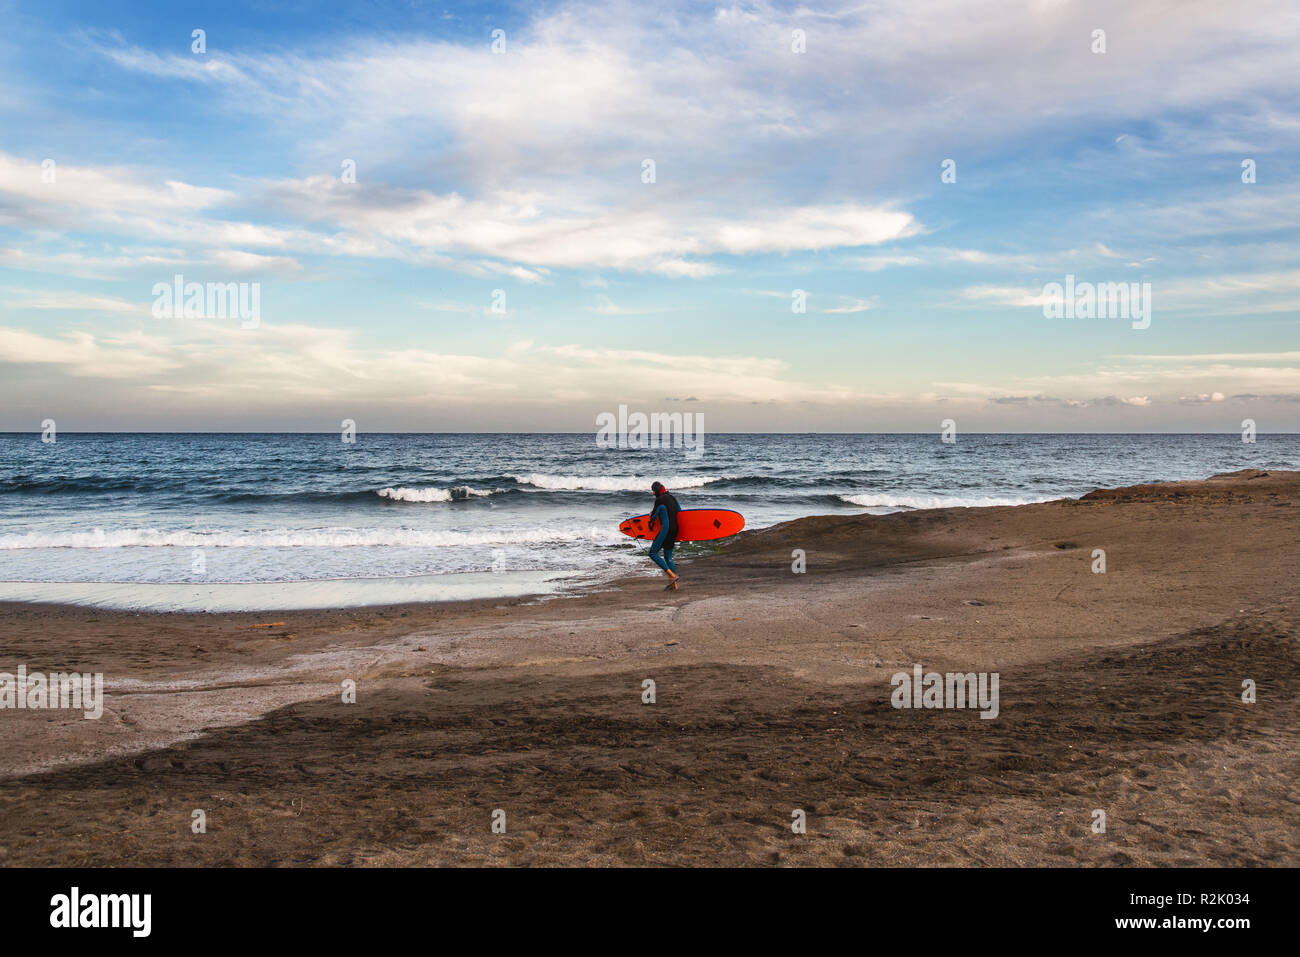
[
  {"x": 235, "y": 595},
  {"x": 769, "y": 679}
]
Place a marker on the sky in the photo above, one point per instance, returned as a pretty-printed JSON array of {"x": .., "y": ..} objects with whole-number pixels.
[{"x": 516, "y": 217}]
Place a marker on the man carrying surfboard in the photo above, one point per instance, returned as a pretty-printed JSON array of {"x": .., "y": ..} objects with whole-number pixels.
[{"x": 664, "y": 514}]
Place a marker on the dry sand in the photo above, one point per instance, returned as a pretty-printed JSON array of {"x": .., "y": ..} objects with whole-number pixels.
[{"x": 1118, "y": 691}]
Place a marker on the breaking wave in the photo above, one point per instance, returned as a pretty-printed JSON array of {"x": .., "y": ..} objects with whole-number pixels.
[
  {"x": 305, "y": 538},
  {"x": 613, "y": 483},
  {"x": 457, "y": 493},
  {"x": 887, "y": 500}
]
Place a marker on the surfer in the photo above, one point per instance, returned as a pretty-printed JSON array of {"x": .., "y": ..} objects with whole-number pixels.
[{"x": 664, "y": 513}]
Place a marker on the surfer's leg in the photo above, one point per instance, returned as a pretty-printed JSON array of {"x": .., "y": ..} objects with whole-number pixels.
[
  {"x": 655, "y": 546},
  {"x": 658, "y": 559},
  {"x": 671, "y": 569}
]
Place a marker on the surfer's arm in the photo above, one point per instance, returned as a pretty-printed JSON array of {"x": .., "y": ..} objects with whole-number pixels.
[{"x": 658, "y": 517}]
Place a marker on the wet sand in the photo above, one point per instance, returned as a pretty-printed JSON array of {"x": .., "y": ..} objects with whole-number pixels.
[{"x": 1119, "y": 692}]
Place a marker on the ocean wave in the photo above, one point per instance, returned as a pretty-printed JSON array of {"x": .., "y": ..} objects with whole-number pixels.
[
  {"x": 766, "y": 482},
  {"x": 457, "y": 493},
  {"x": 613, "y": 483},
  {"x": 307, "y": 538},
  {"x": 888, "y": 500},
  {"x": 87, "y": 484}
]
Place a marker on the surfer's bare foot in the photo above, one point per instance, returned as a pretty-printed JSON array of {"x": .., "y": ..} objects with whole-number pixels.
[{"x": 672, "y": 585}]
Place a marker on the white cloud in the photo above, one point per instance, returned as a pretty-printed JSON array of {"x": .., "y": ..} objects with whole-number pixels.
[
  {"x": 546, "y": 140},
  {"x": 450, "y": 307},
  {"x": 602, "y": 85},
  {"x": 541, "y": 237},
  {"x": 877, "y": 263},
  {"x": 607, "y": 307},
  {"x": 857, "y": 305},
  {"x": 79, "y": 301},
  {"x": 505, "y": 233},
  {"x": 81, "y": 353},
  {"x": 943, "y": 256},
  {"x": 1216, "y": 357},
  {"x": 1232, "y": 285},
  {"x": 238, "y": 261},
  {"x": 210, "y": 359},
  {"x": 1004, "y": 296}
]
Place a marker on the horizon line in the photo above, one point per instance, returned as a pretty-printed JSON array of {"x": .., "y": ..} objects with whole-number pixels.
[{"x": 37, "y": 432}]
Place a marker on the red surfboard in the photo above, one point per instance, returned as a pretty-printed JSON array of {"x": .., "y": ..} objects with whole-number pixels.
[{"x": 693, "y": 525}]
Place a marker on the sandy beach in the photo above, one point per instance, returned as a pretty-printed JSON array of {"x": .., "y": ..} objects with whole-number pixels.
[{"x": 1119, "y": 691}]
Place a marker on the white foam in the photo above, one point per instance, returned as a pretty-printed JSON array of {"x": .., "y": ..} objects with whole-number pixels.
[
  {"x": 457, "y": 493},
  {"x": 304, "y": 538},
  {"x": 888, "y": 500},
  {"x": 613, "y": 483}
]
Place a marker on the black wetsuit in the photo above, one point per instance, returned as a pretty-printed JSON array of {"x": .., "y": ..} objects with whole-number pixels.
[{"x": 665, "y": 513}]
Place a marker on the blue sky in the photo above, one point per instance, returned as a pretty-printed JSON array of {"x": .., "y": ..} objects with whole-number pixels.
[{"x": 775, "y": 171}]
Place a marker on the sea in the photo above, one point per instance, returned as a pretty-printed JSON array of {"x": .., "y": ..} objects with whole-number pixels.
[{"x": 242, "y": 522}]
